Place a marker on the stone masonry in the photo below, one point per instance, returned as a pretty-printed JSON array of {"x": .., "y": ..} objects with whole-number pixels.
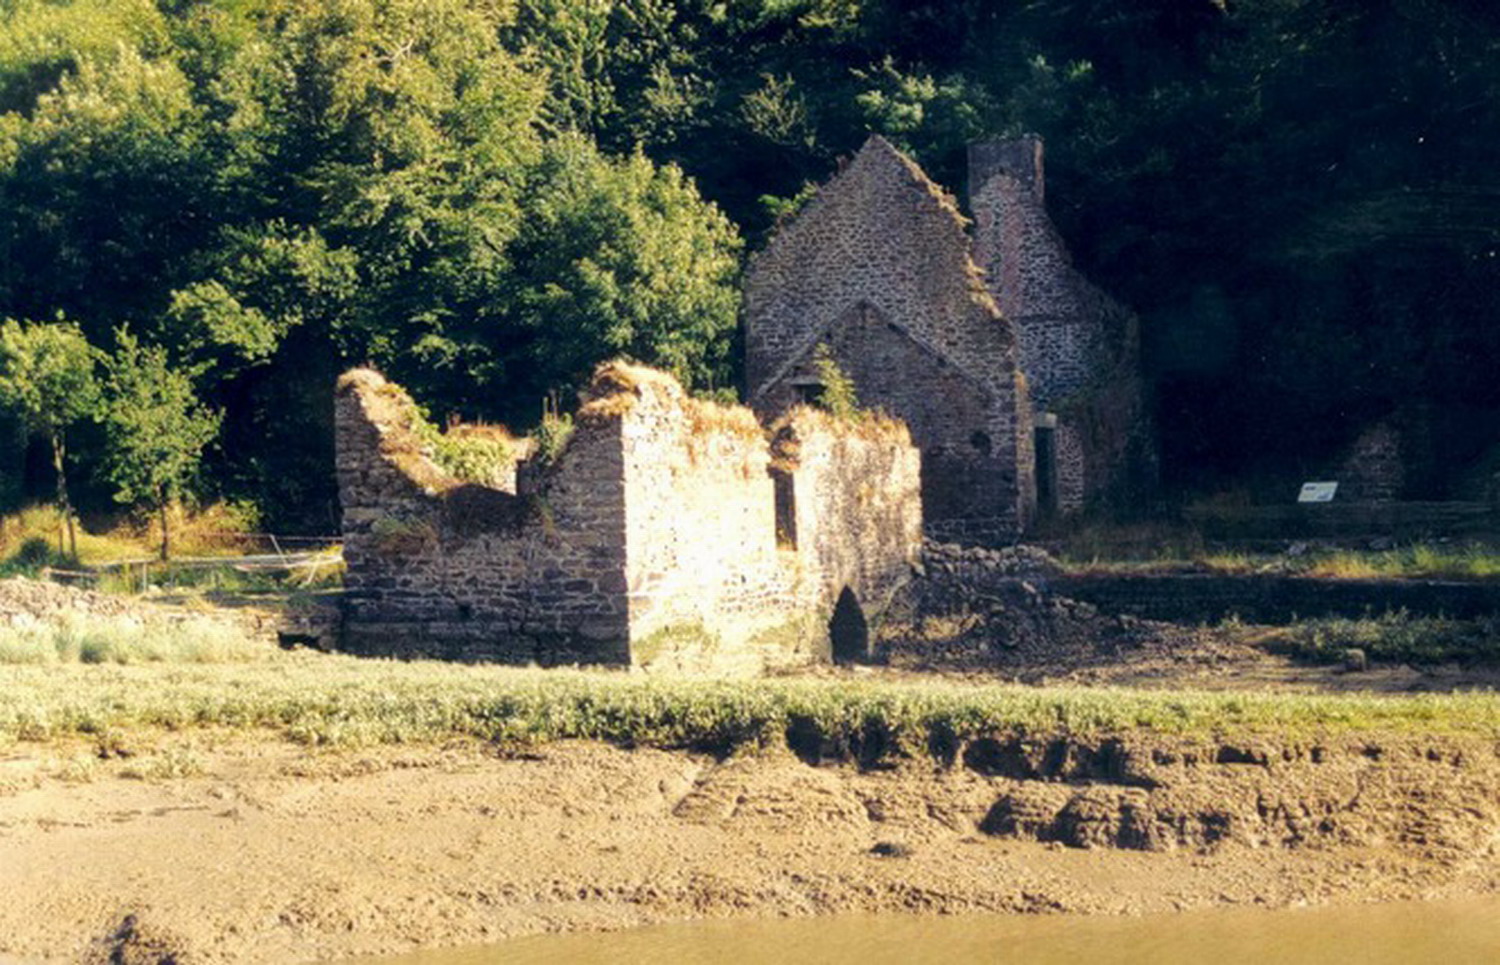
[
  {"x": 877, "y": 267},
  {"x": 667, "y": 533},
  {"x": 1079, "y": 348}
]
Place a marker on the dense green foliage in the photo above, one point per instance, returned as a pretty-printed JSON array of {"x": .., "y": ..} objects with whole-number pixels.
[
  {"x": 157, "y": 428},
  {"x": 47, "y": 379},
  {"x": 486, "y": 197}
]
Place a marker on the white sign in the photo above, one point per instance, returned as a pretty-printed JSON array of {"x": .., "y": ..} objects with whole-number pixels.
[{"x": 1317, "y": 492}]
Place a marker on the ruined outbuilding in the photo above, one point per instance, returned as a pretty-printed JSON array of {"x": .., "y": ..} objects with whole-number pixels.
[
  {"x": 1019, "y": 379},
  {"x": 666, "y": 532},
  {"x": 878, "y": 268},
  {"x": 1079, "y": 348}
]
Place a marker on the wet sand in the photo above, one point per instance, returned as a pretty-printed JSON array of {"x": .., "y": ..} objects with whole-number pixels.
[{"x": 234, "y": 848}]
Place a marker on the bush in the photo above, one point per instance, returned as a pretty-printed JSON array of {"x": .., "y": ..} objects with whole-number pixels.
[
  {"x": 838, "y": 395},
  {"x": 35, "y": 551}
]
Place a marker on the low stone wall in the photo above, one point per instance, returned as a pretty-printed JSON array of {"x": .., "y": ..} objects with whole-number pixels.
[
  {"x": 440, "y": 568},
  {"x": 1389, "y": 520},
  {"x": 1191, "y": 598}
]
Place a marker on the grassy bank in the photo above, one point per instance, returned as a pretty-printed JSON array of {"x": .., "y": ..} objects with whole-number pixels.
[
  {"x": 322, "y": 699},
  {"x": 1390, "y": 638},
  {"x": 1417, "y": 561}
]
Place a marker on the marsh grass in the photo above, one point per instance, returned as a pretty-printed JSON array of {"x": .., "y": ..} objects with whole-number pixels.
[
  {"x": 319, "y": 699},
  {"x": 1393, "y": 637},
  {"x": 76, "y": 638}
]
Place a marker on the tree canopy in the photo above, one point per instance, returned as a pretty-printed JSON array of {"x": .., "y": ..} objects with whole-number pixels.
[{"x": 486, "y": 197}]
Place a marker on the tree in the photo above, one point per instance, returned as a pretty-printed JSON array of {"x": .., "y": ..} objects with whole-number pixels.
[
  {"x": 47, "y": 379},
  {"x": 618, "y": 257},
  {"x": 157, "y": 427}
]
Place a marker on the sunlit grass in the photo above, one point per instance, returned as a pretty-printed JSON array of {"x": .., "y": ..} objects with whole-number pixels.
[
  {"x": 323, "y": 699},
  {"x": 70, "y": 638},
  {"x": 1417, "y": 561},
  {"x": 207, "y": 530}
]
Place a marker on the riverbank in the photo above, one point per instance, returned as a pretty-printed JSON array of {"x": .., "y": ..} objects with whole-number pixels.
[
  {"x": 175, "y": 789},
  {"x": 220, "y": 845}
]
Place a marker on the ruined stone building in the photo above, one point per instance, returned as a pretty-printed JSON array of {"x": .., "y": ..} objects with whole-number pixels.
[
  {"x": 878, "y": 268},
  {"x": 1079, "y": 348},
  {"x": 1017, "y": 378},
  {"x": 666, "y": 532}
]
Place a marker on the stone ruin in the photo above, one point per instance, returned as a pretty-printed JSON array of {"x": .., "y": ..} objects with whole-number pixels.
[
  {"x": 1019, "y": 379},
  {"x": 877, "y": 267},
  {"x": 668, "y": 532},
  {"x": 1079, "y": 348}
]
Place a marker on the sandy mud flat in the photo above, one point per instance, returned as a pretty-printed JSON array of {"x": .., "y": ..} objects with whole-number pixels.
[{"x": 236, "y": 848}]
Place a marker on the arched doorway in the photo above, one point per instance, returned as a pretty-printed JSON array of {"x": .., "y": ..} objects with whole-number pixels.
[{"x": 848, "y": 631}]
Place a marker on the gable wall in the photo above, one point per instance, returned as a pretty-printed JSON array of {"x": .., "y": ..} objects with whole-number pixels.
[
  {"x": 944, "y": 410},
  {"x": 881, "y": 234},
  {"x": 1079, "y": 348}
]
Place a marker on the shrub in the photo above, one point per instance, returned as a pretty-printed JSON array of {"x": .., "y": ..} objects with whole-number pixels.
[
  {"x": 838, "y": 395},
  {"x": 552, "y": 435}
]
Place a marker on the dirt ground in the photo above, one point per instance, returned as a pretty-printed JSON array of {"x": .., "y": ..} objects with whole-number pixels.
[{"x": 267, "y": 852}]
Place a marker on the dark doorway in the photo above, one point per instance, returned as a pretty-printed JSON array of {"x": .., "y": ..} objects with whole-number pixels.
[
  {"x": 786, "y": 509},
  {"x": 848, "y": 631},
  {"x": 1046, "y": 470}
]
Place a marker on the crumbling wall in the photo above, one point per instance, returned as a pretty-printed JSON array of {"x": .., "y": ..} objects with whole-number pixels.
[
  {"x": 857, "y": 500},
  {"x": 708, "y": 590},
  {"x": 1373, "y": 469},
  {"x": 877, "y": 265},
  {"x": 1079, "y": 348},
  {"x": 652, "y": 540},
  {"x": 441, "y": 568}
]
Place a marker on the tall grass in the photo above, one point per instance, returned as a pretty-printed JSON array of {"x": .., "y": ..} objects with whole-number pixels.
[
  {"x": 323, "y": 699},
  {"x": 205, "y": 530},
  {"x": 74, "y": 638}
]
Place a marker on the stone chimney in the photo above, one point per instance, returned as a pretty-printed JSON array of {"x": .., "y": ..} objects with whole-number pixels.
[{"x": 1019, "y": 157}]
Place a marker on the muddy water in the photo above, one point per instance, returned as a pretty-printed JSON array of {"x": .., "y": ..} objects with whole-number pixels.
[{"x": 1450, "y": 933}]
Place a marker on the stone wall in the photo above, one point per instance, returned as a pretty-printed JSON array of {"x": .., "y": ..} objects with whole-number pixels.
[
  {"x": 1194, "y": 599},
  {"x": 651, "y": 540},
  {"x": 1373, "y": 469},
  {"x": 877, "y": 266},
  {"x": 441, "y": 568},
  {"x": 856, "y": 491},
  {"x": 1079, "y": 348}
]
